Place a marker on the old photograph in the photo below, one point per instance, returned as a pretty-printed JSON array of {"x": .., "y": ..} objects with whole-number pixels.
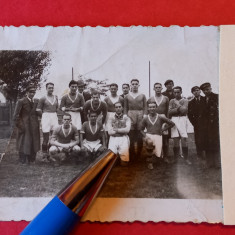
[{"x": 149, "y": 94}]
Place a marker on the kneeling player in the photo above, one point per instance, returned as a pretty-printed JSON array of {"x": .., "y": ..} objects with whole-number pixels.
[
  {"x": 178, "y": 109},
  {"x": 91, "y": 134},
  {"x": 118, "y": 128},
  {"x": 65, "y": 138},
  {"x": 153, "y": 137}
]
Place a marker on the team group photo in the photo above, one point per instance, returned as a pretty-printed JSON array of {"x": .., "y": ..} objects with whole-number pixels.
[{"x": 151, "y": 97}]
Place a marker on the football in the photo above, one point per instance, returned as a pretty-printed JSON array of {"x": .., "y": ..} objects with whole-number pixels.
[{"x": 183, "y": 110}]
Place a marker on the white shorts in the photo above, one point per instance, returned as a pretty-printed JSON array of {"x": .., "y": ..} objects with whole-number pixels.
[
  {"x": 49, "y": 122},
  {"x": 76, "y": 119},
  {"x": 92, "y": 145},
  {"x": 55, "y": 149},
  {"x": 109, "y": 115},
  {"x": 120, "y": 145},
  {"x": 157, "y": 142},
  {"x": 180, "y": 128}
]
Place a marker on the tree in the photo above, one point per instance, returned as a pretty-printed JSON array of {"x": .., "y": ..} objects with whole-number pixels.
[{"x": 19, "y": 69}]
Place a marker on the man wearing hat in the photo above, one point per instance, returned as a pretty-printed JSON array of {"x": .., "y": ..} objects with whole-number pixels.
[
  {"x": 196, "y": 115},
  {"x": 169, "y": 84},
  {"x": 27, "y": 124},
  {"x": 212, "y": 126}
]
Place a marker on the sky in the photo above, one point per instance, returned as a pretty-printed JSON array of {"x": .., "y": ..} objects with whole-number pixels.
[{"x": 187, "y": 55}]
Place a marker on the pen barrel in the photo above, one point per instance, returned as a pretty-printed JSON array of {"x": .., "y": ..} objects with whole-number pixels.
[{"x": 70, "y": 204}]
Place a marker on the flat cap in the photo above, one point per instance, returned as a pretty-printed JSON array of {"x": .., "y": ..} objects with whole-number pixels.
[
  {"x": 168, "y": 81},
  {"x": 205, "y": 85}
]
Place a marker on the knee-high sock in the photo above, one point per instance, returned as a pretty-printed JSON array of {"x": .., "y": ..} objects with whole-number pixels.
[{"x": 45, "y": 142}]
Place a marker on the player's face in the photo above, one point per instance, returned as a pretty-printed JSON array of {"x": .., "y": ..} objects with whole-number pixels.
[
  {"x": 93, "y": 117},
  {"x": 197, "y": 92},
  {"x": 177, "y": 93},
  {"x": 81, "y": 89},
  {"x": 207, "y": 91},
  {"x": 169, "y": 86},
  {"x": 135, "y": 86},
  {"x": 95, "y": 98},
  {"x": 158, "y": 89},
  {"x": 113, "y": 90},
  {"x": 125, "y": 89},
  {"x": 31, "y": 93},
  {"x": 118, "y": 108},
  {"x": 73, "y": 88},
  {"x": 152, "y": 108},
  {"x": 50, "y": 89},
  {"x": 66, "y": 120}
]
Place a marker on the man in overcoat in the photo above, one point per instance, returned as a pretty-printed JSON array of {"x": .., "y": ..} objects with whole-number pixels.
[
  {"x": 212, "y": 126},
  {"x": 197, "y": 116},
  {"x": 27, "y": 124}
]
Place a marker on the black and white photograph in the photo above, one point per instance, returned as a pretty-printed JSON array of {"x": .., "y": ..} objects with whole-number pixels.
[{"x": 149, "y": 94}]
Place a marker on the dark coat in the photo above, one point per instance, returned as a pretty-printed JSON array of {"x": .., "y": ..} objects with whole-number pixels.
[
  {"x": 212, "y": 125},
  {"x": 86, "y": 95},
  {"x": 168, "y": 94},
  {"x": 198, "y": 118},
  {"x": 27, "y": 124}
]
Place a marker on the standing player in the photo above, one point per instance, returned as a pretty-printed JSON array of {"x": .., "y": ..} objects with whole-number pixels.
[
  {"x": 73, "y": 103},
  {"x": 27, "y": 124},
  {"x": 65, "y": 138},
  {"x": 91, "y": 135},
  {"x": 135, "y": 106},
  {"x": 111, "y": 100},
  {"x": 95, "y": 105},
  {"x": 153, "y": 123},
  {"x": 47, "y": 109},
  {"x": 169, "y": 84},
  {"x": 178, "y": 109},
  {"x": 162, "y": 105},
  {"x": 125, "y": 89},
  {"x": 118, "y": 129},
  {"x": 86, "y": 95},
  {"x": 196, "y": 115},
  {"x": 212, "y": 126},
  {"x": 81, "y": 89}
]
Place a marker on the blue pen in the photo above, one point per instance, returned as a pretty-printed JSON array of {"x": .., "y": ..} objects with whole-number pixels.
[{"x": 69, "y": 205}]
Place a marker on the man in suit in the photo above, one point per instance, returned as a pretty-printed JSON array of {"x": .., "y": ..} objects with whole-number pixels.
[
  {"x": 27, "y": 124},
  {"x": 196, "y": 115},
  {"x": 212, "y": 126}
]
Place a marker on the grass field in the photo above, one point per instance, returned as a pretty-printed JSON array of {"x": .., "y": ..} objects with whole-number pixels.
[{"x": 178, "y": 181}]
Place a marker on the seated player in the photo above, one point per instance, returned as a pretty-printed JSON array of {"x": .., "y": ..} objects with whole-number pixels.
[
  {"x": 65, "y": 138},
  {"x": 118, "y": 128},
  {"x": 178, "y": 109},
  {"x": 153, "y": 137},
  {"x": 91, "y": 134}
]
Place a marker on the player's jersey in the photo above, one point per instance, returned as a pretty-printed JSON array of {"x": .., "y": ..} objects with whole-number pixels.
[
  {"x": 47, "y": 106},
  {"x": 68, "y": 102},
  {"x": 91, "y": 134},
  {"x": 162, "y": 106},
  {"x": 135, "y": 103},
  {"x": 174, "y": 104},
  {"x": 153, "y": 127},
  {"x": 59, "y": 134},
  {"x": 110, "y": 101}
]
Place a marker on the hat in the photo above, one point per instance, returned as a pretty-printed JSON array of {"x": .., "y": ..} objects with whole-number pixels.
[
  {"x": 205, "y": 85},
  {"x": 80, "y": 83},
  {"x": 168, "y": 81},
  {"x": 194, "y": 88}
]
